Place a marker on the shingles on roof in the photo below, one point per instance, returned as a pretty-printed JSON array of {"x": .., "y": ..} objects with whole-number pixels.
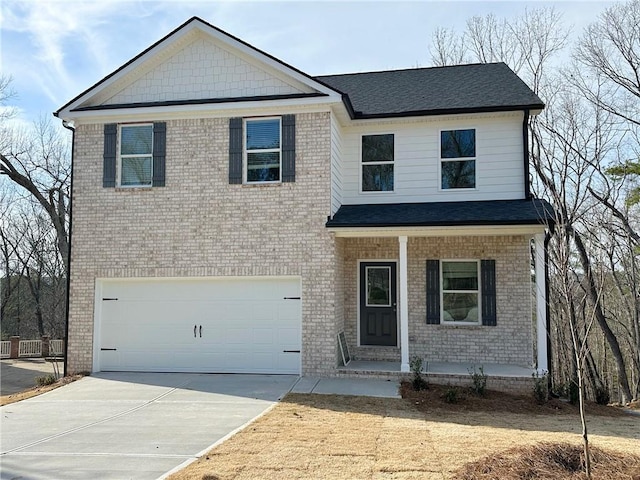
[
  {"x": 430, "y": 91},
  {"x": 441, "y": 214}
]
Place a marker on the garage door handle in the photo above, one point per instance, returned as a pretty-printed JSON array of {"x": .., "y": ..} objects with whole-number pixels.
[
  {"x": 200, "y": 331},
  {"x": 195, "y": 329},
  {"x": 291, "y": 351}
]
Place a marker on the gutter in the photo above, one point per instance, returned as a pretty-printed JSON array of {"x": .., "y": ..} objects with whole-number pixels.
[
  {"x": 547, "y": 239},
  {"x": 66, "y": 125}
]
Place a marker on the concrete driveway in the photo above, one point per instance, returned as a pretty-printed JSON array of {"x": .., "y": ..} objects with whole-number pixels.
[{"x": 128, "y": 425}]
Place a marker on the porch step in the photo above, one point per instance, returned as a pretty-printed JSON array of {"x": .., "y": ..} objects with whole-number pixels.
[{"x": 376, "y": 354}]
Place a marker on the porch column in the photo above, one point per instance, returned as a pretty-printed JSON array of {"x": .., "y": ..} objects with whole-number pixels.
[
  {"x": 541, "y": 303},
  {"x": 404, "y": 305}
]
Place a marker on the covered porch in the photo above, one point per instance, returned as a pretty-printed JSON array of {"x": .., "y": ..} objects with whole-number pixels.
[{"x": 505, "y": 334}]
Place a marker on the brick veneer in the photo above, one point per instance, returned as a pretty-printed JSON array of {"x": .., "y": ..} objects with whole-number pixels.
[
  {"x": 510, "y": 342},
  {"x": 200, "y": 226}
]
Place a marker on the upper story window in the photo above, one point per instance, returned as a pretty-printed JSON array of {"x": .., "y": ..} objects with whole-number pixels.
[
  {"x": 136, "y": 155},
  {"x": 460, "y": 292},
  {"x": 458, "y": 158},
  {"x": 377, "y": 163},
  {"x": 262, "y": 149}
]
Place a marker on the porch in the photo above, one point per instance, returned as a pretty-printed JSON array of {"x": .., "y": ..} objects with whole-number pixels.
[
  {"x": 500, "y": 377},
  {"x": 448, "y": 282}
]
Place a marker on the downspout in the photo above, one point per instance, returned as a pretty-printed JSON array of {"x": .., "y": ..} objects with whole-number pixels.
[
  {"x": 547, "y": 239},
  {"x": 525, "y": 147},
  {"x": 66, "y": 125}
]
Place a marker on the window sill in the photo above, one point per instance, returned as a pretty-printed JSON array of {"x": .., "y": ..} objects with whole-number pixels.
[
  {"x": 133, "y": 189},
  {"x": 262, "y": 184},
  {"x": 468, "y": 326}
]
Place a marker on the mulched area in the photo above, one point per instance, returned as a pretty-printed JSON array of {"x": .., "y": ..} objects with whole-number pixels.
[
  {"x": 435, "y": 397},
  {"x": 551, "y": 461}
]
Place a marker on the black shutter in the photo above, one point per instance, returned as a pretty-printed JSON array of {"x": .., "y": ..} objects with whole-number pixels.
[
  {"x": 433, "y": 292},
  {"x": 235, "y": 150},
  {"x": 288, "y": 148},
  {"x": 109, "y": 156},
  {"x": 488, "y": 284},
  {"x": 159, "y": 153}
]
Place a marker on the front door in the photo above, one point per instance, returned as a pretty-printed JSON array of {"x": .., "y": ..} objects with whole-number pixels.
[{"x": 378, "y": 320}]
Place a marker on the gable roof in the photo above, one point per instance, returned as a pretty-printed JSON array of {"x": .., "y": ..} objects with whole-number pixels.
[
  {"x": 474, "y": 88},
  {"x": 481, "y": 87},
  {"x": 83, "y": 101}
]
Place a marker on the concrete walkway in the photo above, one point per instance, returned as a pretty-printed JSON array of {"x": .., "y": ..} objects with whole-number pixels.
[{"x": 143, "y": 425}]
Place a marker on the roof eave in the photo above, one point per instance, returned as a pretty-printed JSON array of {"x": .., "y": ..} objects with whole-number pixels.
[{"x": 449, "y": 111}]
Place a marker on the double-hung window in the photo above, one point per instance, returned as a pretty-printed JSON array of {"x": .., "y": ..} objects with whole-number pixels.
[
  {"x": 136, "y": 155},
  {"x": 377, "y": 163},
  {"x": 460, "y": 291},
  {"x": 262, "y": 150},
  {"x": 458, "y": 158}
]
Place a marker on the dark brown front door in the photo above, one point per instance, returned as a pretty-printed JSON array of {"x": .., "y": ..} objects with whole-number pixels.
[{"x": 378, "y": 320}]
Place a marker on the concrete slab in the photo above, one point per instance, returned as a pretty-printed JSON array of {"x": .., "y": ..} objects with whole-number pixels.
[
  {"x": 139, "y": 426},
  {"x": 367, "y": 387}
]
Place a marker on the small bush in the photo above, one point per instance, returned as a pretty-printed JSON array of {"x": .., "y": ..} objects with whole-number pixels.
[
  {"x": 452, "y": 395},
  {"x": 46, "y": 380},
  {"x": 418, "y": 382},
  {"x": 479, "y": 380},
  {"x": 540, "y": 387}
]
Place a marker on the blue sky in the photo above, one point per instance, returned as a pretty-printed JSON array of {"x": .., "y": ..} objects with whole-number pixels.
[{"x": 55, "y": 49}]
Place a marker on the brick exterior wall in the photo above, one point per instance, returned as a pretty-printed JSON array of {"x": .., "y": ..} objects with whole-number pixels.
[
  {"x": 199, "y": 225},
  {"x": 510, "y": 342}
]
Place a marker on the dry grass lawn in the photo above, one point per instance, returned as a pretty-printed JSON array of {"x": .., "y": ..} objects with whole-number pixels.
[{"x": 339, "y": 437}]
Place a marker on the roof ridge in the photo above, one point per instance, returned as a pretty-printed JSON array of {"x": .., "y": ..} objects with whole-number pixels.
[{"x": 394, "y": 70}]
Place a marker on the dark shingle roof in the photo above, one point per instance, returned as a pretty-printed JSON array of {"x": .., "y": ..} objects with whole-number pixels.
[
  {"x": 441, "y": 214},
  {"x": 431, "y": 91}
]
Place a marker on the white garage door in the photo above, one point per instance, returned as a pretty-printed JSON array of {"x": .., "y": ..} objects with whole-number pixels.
[{"x": 199, "y": 325}]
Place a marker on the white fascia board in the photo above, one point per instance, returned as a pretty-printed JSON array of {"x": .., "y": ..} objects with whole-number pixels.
[
  {"x": 267, "y": 60},
  {"x": 127, "y": 69},
  {"x": 456, "y": 231},
  {"x": 210, "y": 110}
]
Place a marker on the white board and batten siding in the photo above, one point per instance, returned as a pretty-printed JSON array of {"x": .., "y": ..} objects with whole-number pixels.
[
  {"x": 205, "y": 325},
  {"x": 499, "y": 160}
]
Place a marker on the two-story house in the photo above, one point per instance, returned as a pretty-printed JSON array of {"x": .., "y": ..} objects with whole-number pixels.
[{"x": 234, "y": 214}]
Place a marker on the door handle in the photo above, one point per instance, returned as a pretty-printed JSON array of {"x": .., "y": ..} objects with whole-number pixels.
[
  {"x": 200, "y": 331},
  {"x": 195, "y": 328}
]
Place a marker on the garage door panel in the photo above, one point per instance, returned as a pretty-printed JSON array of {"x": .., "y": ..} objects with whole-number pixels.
[{"x": 242, "y": 325}]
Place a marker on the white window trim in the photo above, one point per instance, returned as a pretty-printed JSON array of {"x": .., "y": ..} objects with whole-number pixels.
[
  {"x": 245, "y": 152},
  {"x": 376, "y": 192},
  {"x": 458, "y": 159},
  {"x": 119, "y": 155},
  {"x": 478, "y": 291}
]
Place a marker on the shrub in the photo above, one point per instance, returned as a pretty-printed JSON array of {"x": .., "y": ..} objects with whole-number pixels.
[
  {"x": 452, "y": 394},
  {"x": 46, "y": 380},
  {"x": 479, "y": 380},
  {"x": 418, "y": 382},
  {"x": 540, "y": 387}
]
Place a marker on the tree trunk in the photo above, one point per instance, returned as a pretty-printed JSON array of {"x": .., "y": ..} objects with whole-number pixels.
[{"x": 592, "y": 291}]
